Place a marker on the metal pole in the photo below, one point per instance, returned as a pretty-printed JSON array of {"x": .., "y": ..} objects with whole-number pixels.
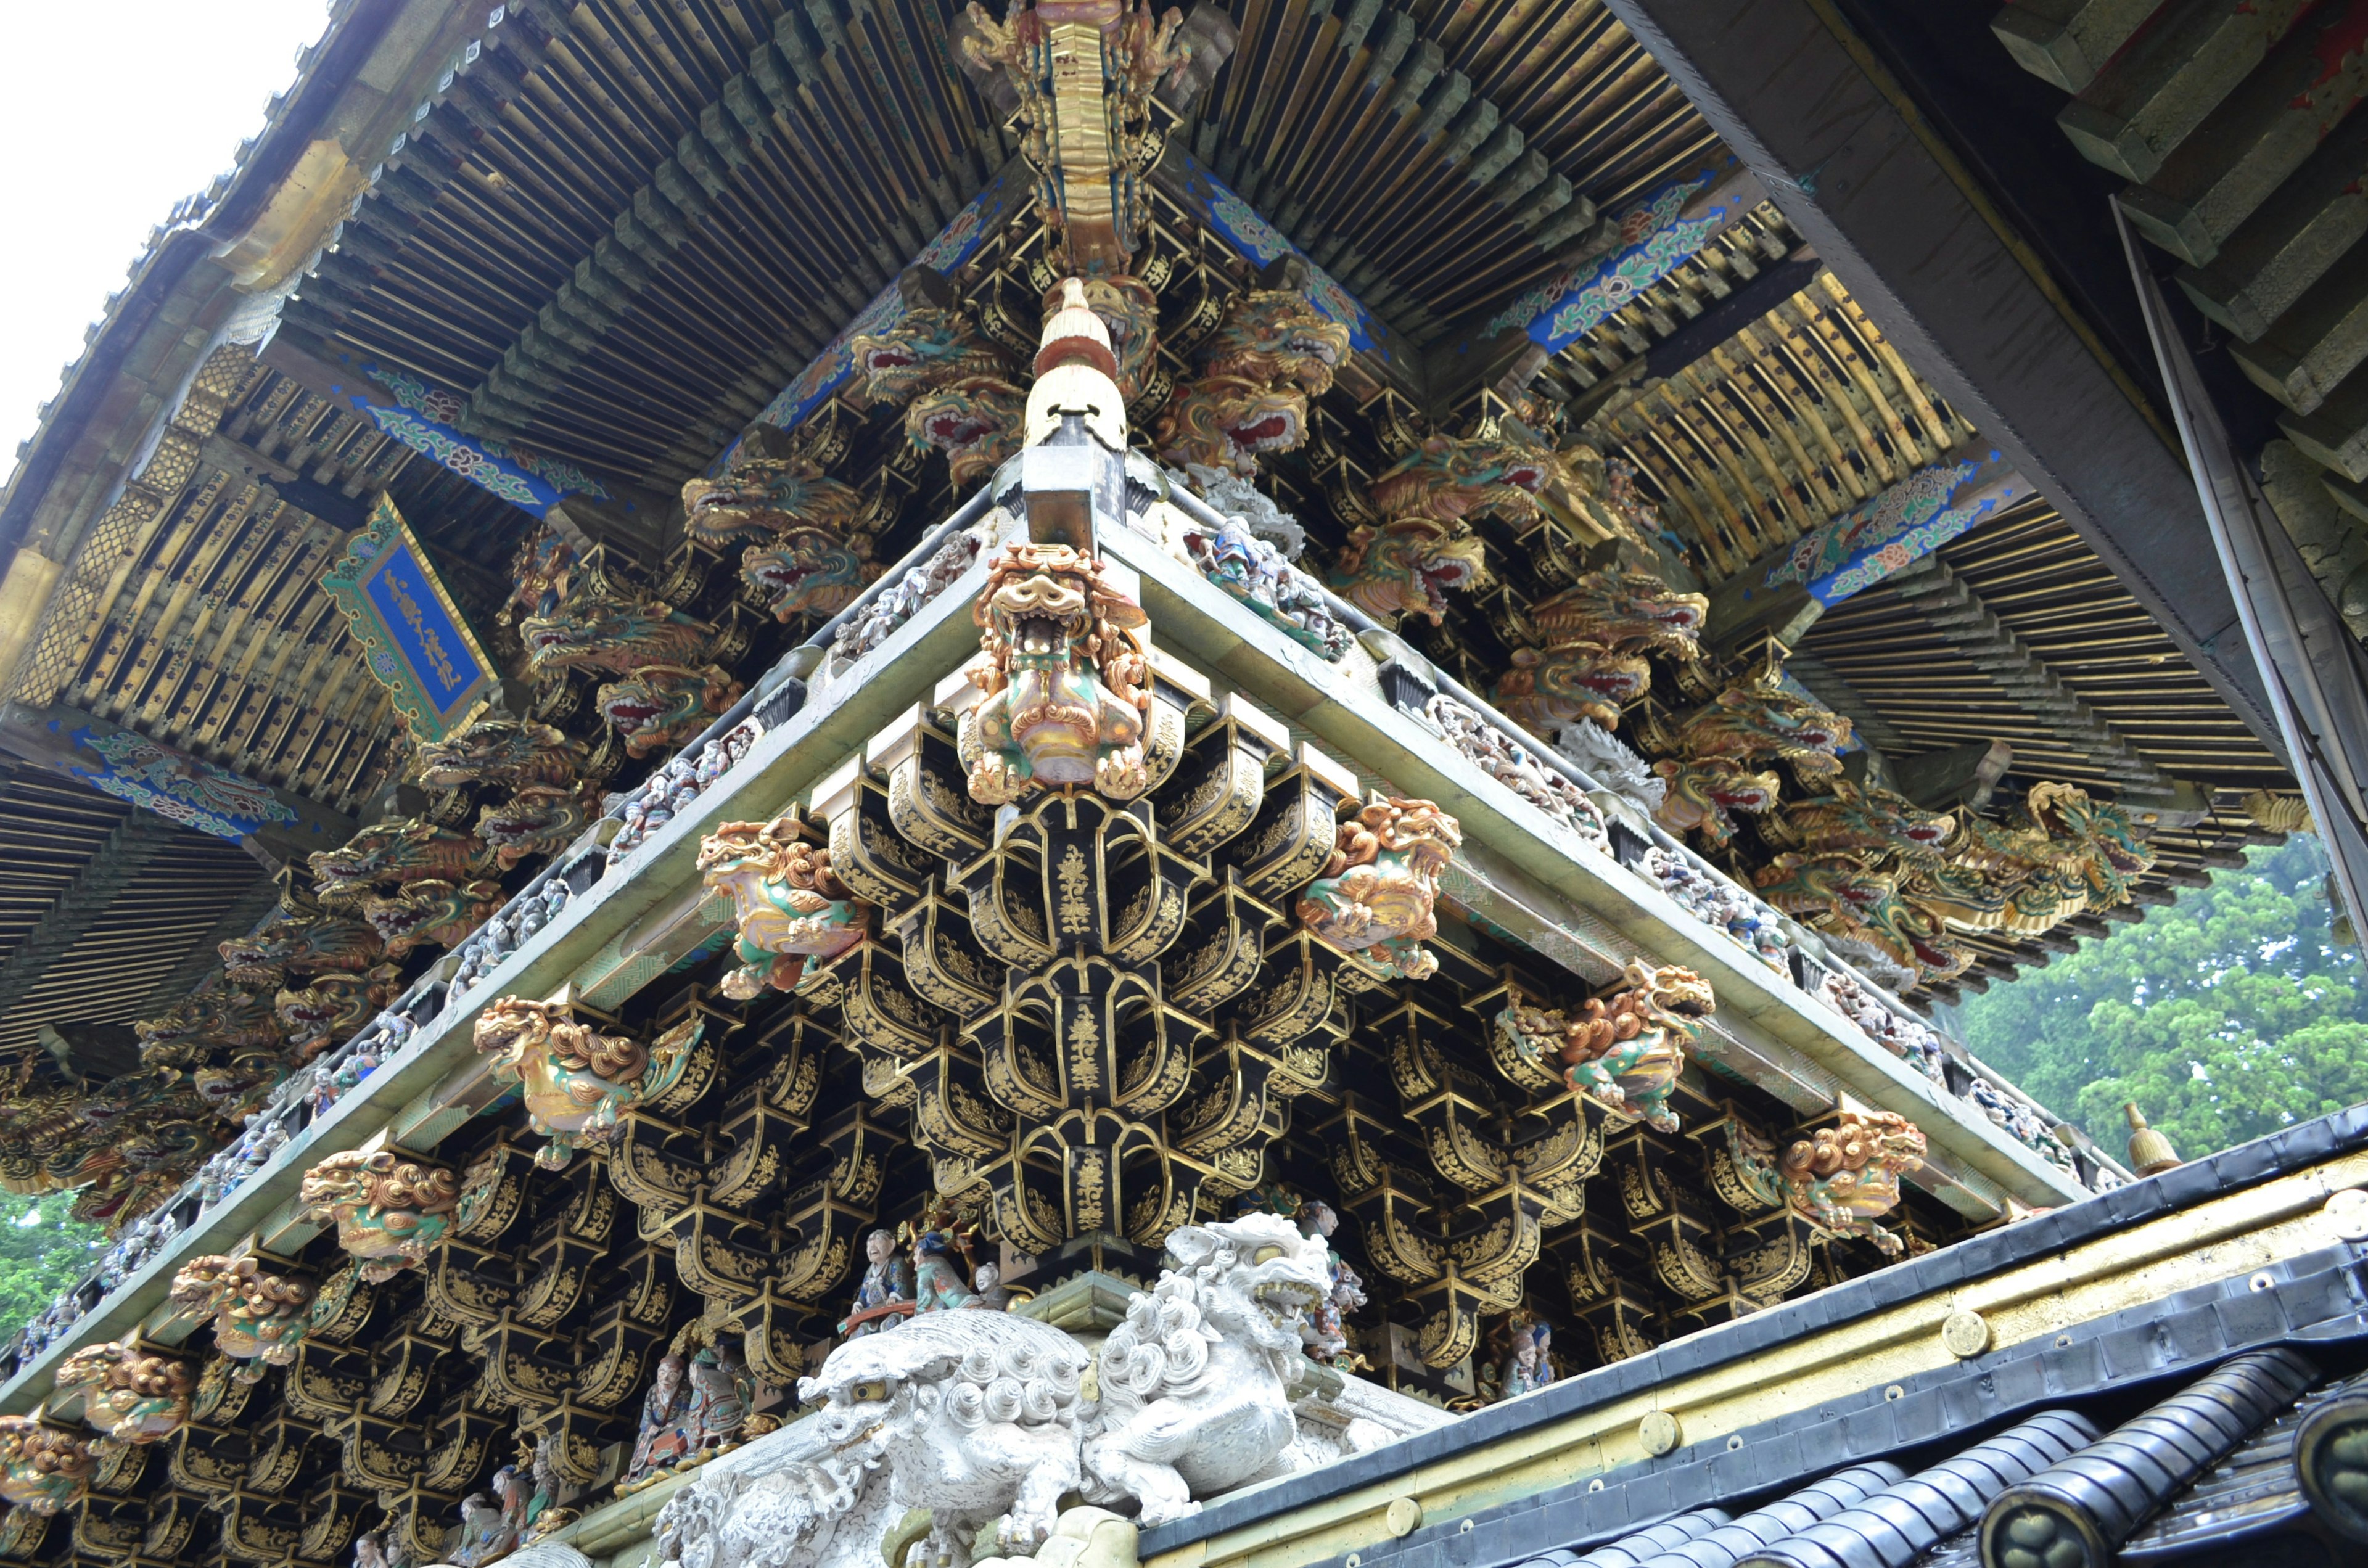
[{"x": 2312, "y": 668}]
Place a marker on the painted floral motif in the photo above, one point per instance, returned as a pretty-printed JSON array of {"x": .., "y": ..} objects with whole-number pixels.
[
  {"x": 1261, "y": 242},
  {"x": 178, "y": 786},
  {"x": 1653, "y": 242},
  {"x": 443, "y": 406},
  {"x": 470, "y": 463},
  {"x": 1901, "y": 526}
]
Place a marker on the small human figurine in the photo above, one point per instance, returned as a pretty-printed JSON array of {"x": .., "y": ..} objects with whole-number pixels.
[
  {"x": 990, "y": 1294},
  {"x": 484, "y": 1532},
  {"x": 938, "y": 1281},
  {"x": 1323, "y": 1330},
  {"x": 886, "y": 1292},
  {"x": 662, "y": 1442},
  {"x": 516, "y": 1494},
  {"x": 543, "y": 1514},
  {"x": 1525, "y": 1367},
  {"x": 369, "y": 1551},
  {"x": 718, "y": 1407}
]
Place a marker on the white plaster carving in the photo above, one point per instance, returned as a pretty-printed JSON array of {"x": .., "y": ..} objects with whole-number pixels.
[
  {"x": 1605, "y": 758},
  {"x": 987, "y": 1419},
  {"x": 1196, "y": 1384}
]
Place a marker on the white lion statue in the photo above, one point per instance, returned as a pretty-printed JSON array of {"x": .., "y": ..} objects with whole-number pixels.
[
  {"x": 985, "y": 1419},
  {"x": 1196, "y": 1384},
  {"x": 976, "y": 1413}
]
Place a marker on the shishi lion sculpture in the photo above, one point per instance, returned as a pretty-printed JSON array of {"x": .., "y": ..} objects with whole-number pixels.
[
  {"x": 987, "y": 1419},
  {"x": 261, "y": 1318},
  {"x": 1626, "y": 1055},
  {"x": 132, "y": 1394},
  {"x": 790, "y": 908},
  {"x": 1066, "y": 680},
  {"x": 389, "y": 1212},
  {"x": 577, "y": 1081},
  {"x": 1376, "y": 896},
  {"x": 1196, "y": 1384},
  {"x": 1839, "y": 1179},
  {"x": 974, "y": 1415}
]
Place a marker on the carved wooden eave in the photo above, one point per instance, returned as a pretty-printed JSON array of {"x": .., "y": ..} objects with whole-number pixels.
[{"x": 1520, "y": 873}]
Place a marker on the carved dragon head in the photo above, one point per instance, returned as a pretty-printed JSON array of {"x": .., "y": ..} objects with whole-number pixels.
[
  {"x": 405, "y": 849},
  {"x": 1449, "y": 478},
  {"x": 541, "y": 819},
  {"x": 663, "y": 704},
  {"x": 1620, "y": 608},
  {"x": 1706, "y": 796},
  {"x": 1571, "y": 681},
  {"x": 1407, "y": 567},
  {"x": 498, "y": 751},
  {"x": 976, "y": 423},
  {"x": 1760, "y": 721},
  {"x": 431, "y": 911},
  {"x": 930, "y": 346},
  {"x": 605, "y": 627},
  {"x": 758, "y": 497},
  {"x": 1227, "y": 422},
  {"x": 262, "y": 959},
  {"x": 809, "y": 570},
  {"x": 1274, "y": 335},
  {"x": 1870, "y": 822}
]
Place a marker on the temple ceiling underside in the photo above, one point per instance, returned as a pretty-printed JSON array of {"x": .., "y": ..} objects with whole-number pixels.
[{"x": 763, "y": 627}]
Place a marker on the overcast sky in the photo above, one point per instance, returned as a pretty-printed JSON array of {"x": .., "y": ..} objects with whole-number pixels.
[{"x": 110, "y": 114}]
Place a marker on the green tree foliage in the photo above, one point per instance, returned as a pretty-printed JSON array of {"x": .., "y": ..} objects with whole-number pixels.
[
  {"x": 41, "y": 1253},
  {"x": 2226, "y": 1016}
]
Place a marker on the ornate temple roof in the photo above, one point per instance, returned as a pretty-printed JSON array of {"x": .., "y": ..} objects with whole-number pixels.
[
  {"x": 609, "y": 237},
  {"x": 1510, "y": 668}
]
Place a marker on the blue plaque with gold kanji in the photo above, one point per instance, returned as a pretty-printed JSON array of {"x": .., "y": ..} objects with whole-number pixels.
[{"x": 414, "y": 637}]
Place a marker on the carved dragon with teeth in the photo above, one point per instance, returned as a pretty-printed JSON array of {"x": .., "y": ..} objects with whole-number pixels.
[
  {"x": 658, "y": 707},
  {"x": 499, "y": 751},
  {"x": 1407, "y": 567},
  {"x": 299, "y": 944},
  {"x": 810, "y": 571},
  {"x": 759, "y": 496},
  {"x": 1272, "y": 352},
  {"x": 814, "y": 533},
  {"x": 954, "y": 385},
  {"x": 604, "y": 625},
  {"x": 541, "y": 819},
  {"x": 432, "y": 912},
  {"x": 1594, "y": 638},
  {"x": 403, "y": 851}
]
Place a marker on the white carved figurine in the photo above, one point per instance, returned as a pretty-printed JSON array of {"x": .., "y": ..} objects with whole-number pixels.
[
  {"x": 1196, "y": 1384},
  {"x": 974, "y": 1416}
]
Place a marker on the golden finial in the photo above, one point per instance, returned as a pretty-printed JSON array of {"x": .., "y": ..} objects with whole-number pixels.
[{"x": 2150, "y": 1152}]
